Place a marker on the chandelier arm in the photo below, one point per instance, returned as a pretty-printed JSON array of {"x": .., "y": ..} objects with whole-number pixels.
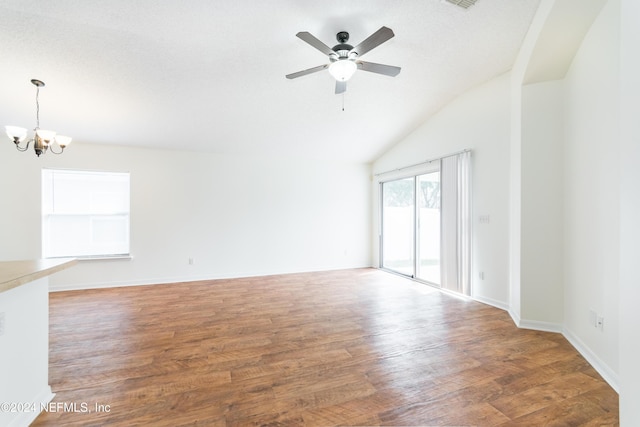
[
  {"x": 26, "y": 147},
  {"x": 54, "y": 152}
]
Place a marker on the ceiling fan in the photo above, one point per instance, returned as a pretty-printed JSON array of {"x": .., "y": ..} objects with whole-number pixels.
[{"x": 343, "y": 58}]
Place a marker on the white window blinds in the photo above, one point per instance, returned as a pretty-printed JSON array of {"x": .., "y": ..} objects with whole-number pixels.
[{"x": 85, "y": 213}]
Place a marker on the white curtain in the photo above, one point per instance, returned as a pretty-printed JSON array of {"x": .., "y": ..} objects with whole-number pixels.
[
  {"x": 464, "y": 222},
  {"x": 456, "y": 222}
]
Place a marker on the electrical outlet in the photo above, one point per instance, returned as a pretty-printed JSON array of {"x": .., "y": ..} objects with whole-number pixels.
[
  {"x": 192, "y": 261},
  {"x": 481, "y": 275},
  {"x": 2, "y": 324}
]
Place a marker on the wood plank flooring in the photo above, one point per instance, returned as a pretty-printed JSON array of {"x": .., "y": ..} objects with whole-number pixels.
[{"x": 350, "y": 347}]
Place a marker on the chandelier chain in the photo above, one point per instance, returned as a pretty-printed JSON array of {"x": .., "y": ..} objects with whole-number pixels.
[{"x": 37, "y": 107}]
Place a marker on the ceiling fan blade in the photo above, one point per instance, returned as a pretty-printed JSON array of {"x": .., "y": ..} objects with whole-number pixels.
[
  {"x": 313, "y": 41},
  {"x": 341, "y": 87},
  {"x": 374, "y": 40},
  {"x": 307, "y": 71},
  {"x": 387, "y": 70}
]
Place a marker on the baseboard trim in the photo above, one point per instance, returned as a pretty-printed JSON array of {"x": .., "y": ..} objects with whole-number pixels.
[
  {"x": 181, "y": 279},
  {"x": 492, "y": 302},
  {"x": 24, "y": 419},
  {"x": 146, "y": 282},
  {"x": 602, "y": 368},
  {"x": 515, "y": 317},
  {"x": 106, "y": 285},
  {"x": 540, "y": 326}
]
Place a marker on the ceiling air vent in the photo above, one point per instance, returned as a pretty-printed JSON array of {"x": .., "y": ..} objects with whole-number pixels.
[{"x": 463, "y": 3}]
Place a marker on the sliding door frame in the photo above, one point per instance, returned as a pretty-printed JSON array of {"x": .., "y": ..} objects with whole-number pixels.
[
  {"x": 416, "y": 218},
  {"x": 462, "y": 232}
]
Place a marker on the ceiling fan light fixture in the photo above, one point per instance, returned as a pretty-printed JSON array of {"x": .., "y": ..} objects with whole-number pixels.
[{"x": 342, "y": 69}]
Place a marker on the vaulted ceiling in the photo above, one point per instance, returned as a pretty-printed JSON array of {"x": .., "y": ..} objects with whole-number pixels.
[{"x": 208, "y": 75}]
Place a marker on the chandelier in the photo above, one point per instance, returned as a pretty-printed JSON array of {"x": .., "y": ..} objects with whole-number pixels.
[{"x": 43, "y": 140}]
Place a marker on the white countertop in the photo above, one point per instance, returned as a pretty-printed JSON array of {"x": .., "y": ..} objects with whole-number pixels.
[{"x": 16, "y": 273}]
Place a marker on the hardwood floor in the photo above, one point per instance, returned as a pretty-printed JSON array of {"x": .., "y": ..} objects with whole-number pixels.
[{"x": 352, "y": 347}]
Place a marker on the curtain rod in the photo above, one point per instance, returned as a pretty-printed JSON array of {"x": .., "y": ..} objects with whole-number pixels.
[{"x": 423, "y": 163}]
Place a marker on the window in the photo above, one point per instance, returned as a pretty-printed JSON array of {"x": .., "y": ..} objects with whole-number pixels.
[{"x": 85, "y": 213}]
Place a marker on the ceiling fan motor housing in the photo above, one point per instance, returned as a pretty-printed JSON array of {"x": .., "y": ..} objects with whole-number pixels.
[
  {"x": 342, "y": 36},
  {"x": 342, "y": 50}
]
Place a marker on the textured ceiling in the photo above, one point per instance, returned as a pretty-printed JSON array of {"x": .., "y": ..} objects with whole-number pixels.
[{"x": 209, "y": 75}]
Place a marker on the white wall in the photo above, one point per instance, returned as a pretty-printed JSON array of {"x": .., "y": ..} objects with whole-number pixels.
[
  {"x": 591, "y": 221},
  {"x": 236, "y": 216},
  {"x": 537, "y": 145},
  {"x": 518, "y": 73},
  {"x": 541, "y": 198},
  {"x": 564, "y": 201},
  {"x": 629, "y": 214},
  {"x": 478, "y": 120}
]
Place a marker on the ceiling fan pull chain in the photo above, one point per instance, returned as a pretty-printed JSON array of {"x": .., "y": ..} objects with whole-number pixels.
[{"x": 342, "y": 101}]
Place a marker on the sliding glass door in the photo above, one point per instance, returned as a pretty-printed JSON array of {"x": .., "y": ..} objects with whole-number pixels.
[
  {"x": 426, "y": 223},
  {"x": 398, "y": 229},
  {"x": 410, "y": 238}
]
